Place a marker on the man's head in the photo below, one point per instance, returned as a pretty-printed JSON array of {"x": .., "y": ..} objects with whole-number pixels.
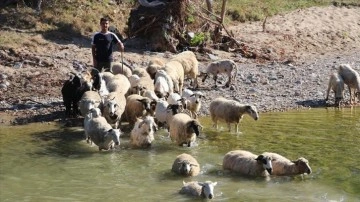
[{"x": 104, "y": 23}]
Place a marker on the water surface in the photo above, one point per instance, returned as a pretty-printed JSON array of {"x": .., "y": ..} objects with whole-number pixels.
[{"x": 48, "y": 162}]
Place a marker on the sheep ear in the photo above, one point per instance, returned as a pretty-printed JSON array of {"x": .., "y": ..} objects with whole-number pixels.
[
  {"x": 194, "y": 165},
  {"x": 260, "y": 157},
  {"x": 192, "y": 95},
  {"x": 142, "y": 123},
  {"x": 214, "y": 184}
]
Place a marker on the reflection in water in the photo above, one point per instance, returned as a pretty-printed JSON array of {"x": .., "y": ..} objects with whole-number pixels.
[{"x": 46, "y": 162}]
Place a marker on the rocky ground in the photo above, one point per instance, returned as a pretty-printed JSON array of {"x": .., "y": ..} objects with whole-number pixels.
[{"x": 303, "y": 48}]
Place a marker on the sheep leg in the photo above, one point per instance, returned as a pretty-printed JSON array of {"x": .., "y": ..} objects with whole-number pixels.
[
  {"x": 350, "y": 94},
  {"x": 215, "y": 79},
  {"x": 229, "y": 127},
  {"x": 237, "y": 127},
  {"x": 327, "y": 93},
  {"x": 228, "y": 82}
]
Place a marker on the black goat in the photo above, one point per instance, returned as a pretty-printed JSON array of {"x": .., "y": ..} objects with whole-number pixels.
[{"x": 72, "y": 91}]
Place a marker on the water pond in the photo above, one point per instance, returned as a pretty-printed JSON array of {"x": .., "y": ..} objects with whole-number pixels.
[{"x": 48, "y": 162}]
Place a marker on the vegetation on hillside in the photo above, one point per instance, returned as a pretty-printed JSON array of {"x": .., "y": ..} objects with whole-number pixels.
[{"x": 65, "y": 19}]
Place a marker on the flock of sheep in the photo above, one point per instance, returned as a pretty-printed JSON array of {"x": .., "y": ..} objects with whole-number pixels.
[{"x": 153, "y": 97}]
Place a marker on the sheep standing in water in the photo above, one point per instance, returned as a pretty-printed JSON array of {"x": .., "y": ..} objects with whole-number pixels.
[
  {"x": 336, "y": 83},
  {"x": 247, "y": 163},
  {"x": 199, "y": 189},
  {"x": 186, "y": 165},
  {"x": 184, "y": 129},
  {"x": 142, "y": 135},
  {"x": 101, "y": 133},
  {"x": 230, "y": 111},
  {"x": 283, "y": 166}
]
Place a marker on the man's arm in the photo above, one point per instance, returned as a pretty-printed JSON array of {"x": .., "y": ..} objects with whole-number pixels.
[{"x": 93, "y": 52}]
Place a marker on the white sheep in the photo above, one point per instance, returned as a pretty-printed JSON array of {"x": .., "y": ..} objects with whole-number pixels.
[
  {"x": 230, "y": 111},
  {"x": 226, "y": 66},
  {"x": 352, "y": 80},
  {"x": 114, "y": 107},
  {"x": 164, "y": 112},
  {"x": 184, "y": 129},
  {"x": 175, "y": 71},
  {"x": 143, "y": 83},
  {"x": 174, "y": 98},
  {"x": 142, "y": 135},
  {"x": 150, "y": 94},
  {"x": 186, "y": 165},
  {"x": 190, "y": 65},
  {"x": 101, "y": 133},
  {"x": 138, "y": 106},
  {"x": 93, "y": 113},
  {"x": 199, "y": 189},
  {"x": 163, "y": 84},
  {"x": 247, "y": 163},
  {"x": 119, "y": 68},
  {"x": 154, "y": 65},
  {"x": 119, "y": 84},
  {"x": 336, "y": 83},
  {"x": 89, "y": 100},
  {"x": 192, "y": 101},
  {"x": 283, "y": 166}
]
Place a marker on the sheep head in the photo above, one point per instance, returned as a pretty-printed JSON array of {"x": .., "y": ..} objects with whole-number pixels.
[
  {"x": 252, "y": 111},
  {"x": 207, "y": 189},
  {"x": 185, "y": 167},
  {"x": 193, "y": 126},
  {"x": 115, "y": 135},
  {"x": 303, "y": 165},
  {"x": 266, "y": 162}
]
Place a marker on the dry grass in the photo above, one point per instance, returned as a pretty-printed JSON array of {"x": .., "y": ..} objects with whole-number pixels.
[{"x": 65, "y": 19}]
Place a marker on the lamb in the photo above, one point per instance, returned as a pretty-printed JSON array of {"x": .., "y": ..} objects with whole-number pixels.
[
  {"x": 186, "y": 165},
  {"x": 176, "y": 99},
  {"x": 184, "y": 129},
  {"x": 192, "y": 101},
  {"x": 164, "y": 112},
  {"x": 352, "y": 80},
  {"x": 119, "y": 68},
  {"x": 199, "y": 189},
  {"x": 89, "y": 100},
  {"x": 154, "y": 65},
  {"x": 336, "y": 83},
  {"x": 93, "y": 113},
  {"x": 142, "y": 135},
  {"x": 247, "y": 163},
  {"x": 72, "y": 91},
  {"x": 190, "y": 65},
  {"x": 230, "y": 111},
  {"x": 114, "y": 107},
  {"x": 221, "y": 67},
  {"x": 101, "y": 133},
  {"x": 163, "y": 84},
  {"x": 283, "y": 166},
  {"x": 138, "y": 106}
]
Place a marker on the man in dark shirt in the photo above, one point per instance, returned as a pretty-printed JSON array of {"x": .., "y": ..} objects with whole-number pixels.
[{"x": 102, "y": 46}]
